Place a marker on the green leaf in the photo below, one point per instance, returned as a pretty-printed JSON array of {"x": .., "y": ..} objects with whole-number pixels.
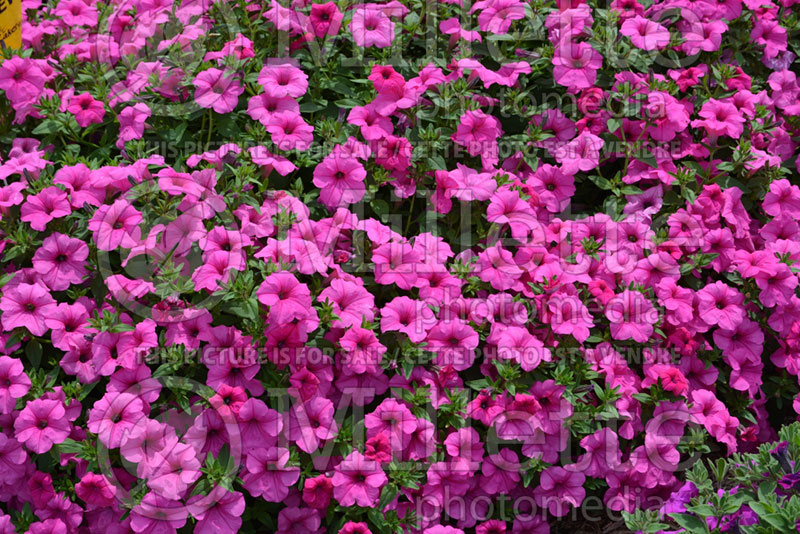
[
  {"x": 310, "y": 107},
  {"x": 33, "y": 350},
  {"x": 692, "y": 524},
  {"x": 70, "y": 446},
  {"x": 347, "y": 103},
  {"x": 613, "y": 124},
  {"x": 387, "y": 496},
  {"x": 649, "y": 159},
  {"x": 381, "y": 207},
  {"x": 778, "y": 521},
  {"x": 765, "y": 489},
  {"x": 630, "y": 190},
  {"x": 600, "y": 182},
  {"x": 47, "y": 126},
  {"x": 702, "y": 510}
]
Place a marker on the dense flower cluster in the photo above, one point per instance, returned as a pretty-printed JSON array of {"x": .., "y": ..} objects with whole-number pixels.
[{"x": 389, "y": 267}]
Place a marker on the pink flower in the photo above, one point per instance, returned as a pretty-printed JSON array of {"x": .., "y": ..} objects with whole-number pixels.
[
  {"x": 575, "y": 65},
  {"x": 116, "y": 225},
  {"x": 721, "y": 305},
  {"x": 216, "y": 269},
  {"x": 14, "y": 383},
  {"x": 21, "y": 76},
  {"x": 172, "y": 470},
  {"x": 86, "y": 109},
  {"x": 268, "y": 475},
  {"x": 325, "y": 19},
  {"x": 703, "y": 36},
  {"x": 289, "y": 131},
  {"x": 220, "y": 512},
  {"x": 362, "y": 350},
  {"x": 158, "y": 514},
  {"x": 454, "y": 343},
  {"x": 496, "y": 266},
  {"x": 411, "y": 317},
  {"x": 293, "y": 520},
  {"x": 38, "y": 210},
  {"x": 632, "y": 316},
  {"x": 569, "y": 316},
  {"x": 26, "y": 306},
  {"x": 61, "y": 261},
  {"x": 671, "y": 379},
  {"x": 284, "y": 80},
  {"x": 500, "y": 472},
  {"x": 114, "y": 417},
  {"x": 559, "y": 489},
  {"x": 554, "y": 187},
  {"x": 352, "y": 527},
  {"x": 146, "y": 439},
  {"x": 317, "y": 492},
  {"x": 771, "y": 35},
  {"x": 580, "y": 154},
  {"x": 340, "y": 179},
  {"x": 350, "y": 301},
  {"x": 370, "y": 26},
  {"x": 132, "y": 123},
  {"x": 517, "y": 344},
  {"x": 76, "y": 13},
  {"x": 95, "y": 489},
  {"x": 258, "y": 424},
  {"x": 42, "y": 424},
  {"x": 286, "y": 298},
  {"x": 394, "y": 420},
  {"x": 783, "y": 197},
  {"x": 477, "y": 132},
  {"x": 218, "y": 90},
  {"x": 396, "y": 263},
  {"x": 498, "y": 15},
  {"x": 357, "y": 480},
  {"x": 644, "y": 33},
  {"x": 720, "y": 118},
  {"x": 373, "y": 125},
  {"x": 311, "y": 422}
]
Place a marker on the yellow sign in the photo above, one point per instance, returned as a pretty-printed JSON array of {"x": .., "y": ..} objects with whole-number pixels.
[{"x": 10, "y": 23}]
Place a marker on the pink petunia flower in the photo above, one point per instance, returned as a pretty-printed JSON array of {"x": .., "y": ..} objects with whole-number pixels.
[
  {"x": 132, "y": 123},
  {"x": 116, "y": 225},
  {"x": 721, "y": 305},
  {"x": 357, "y": 480},
  {"x": 284, "y": 80},
  {"x": 157, "y": 514},
  {"x": 86, "y": 109},
  {"x": 42, "y": 424},
  {"x": 289, "y": 131},
  {"x": 114, "y": 417},
  {"x": 559, "y": 490},
  {"x": 340, "y": 179},
  {"x": 370, "y": 26},
  {"x": 575, "y": 65},
  {"x": 218, "y": 512},
  {"x": 644, "y": 33},
  {"x": 26, "y": 306},
  {"x": 50, "y": 203},
  {"x": 61, "y": 261},
  {"x": 632, "y": 316},
  {"x": 580, "y": 154},
  {"x": 720, "y": 118},
  {"x": 325, "y": 19},
  {"x": 218, "y": 90},
  {"x": 14, "y": 383}
]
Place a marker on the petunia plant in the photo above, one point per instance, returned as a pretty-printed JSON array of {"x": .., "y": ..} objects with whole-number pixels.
[{"x": 412, "y": 267}]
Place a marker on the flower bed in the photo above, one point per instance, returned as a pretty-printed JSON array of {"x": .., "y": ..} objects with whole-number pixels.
[{"x": 368, "y": 268}]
